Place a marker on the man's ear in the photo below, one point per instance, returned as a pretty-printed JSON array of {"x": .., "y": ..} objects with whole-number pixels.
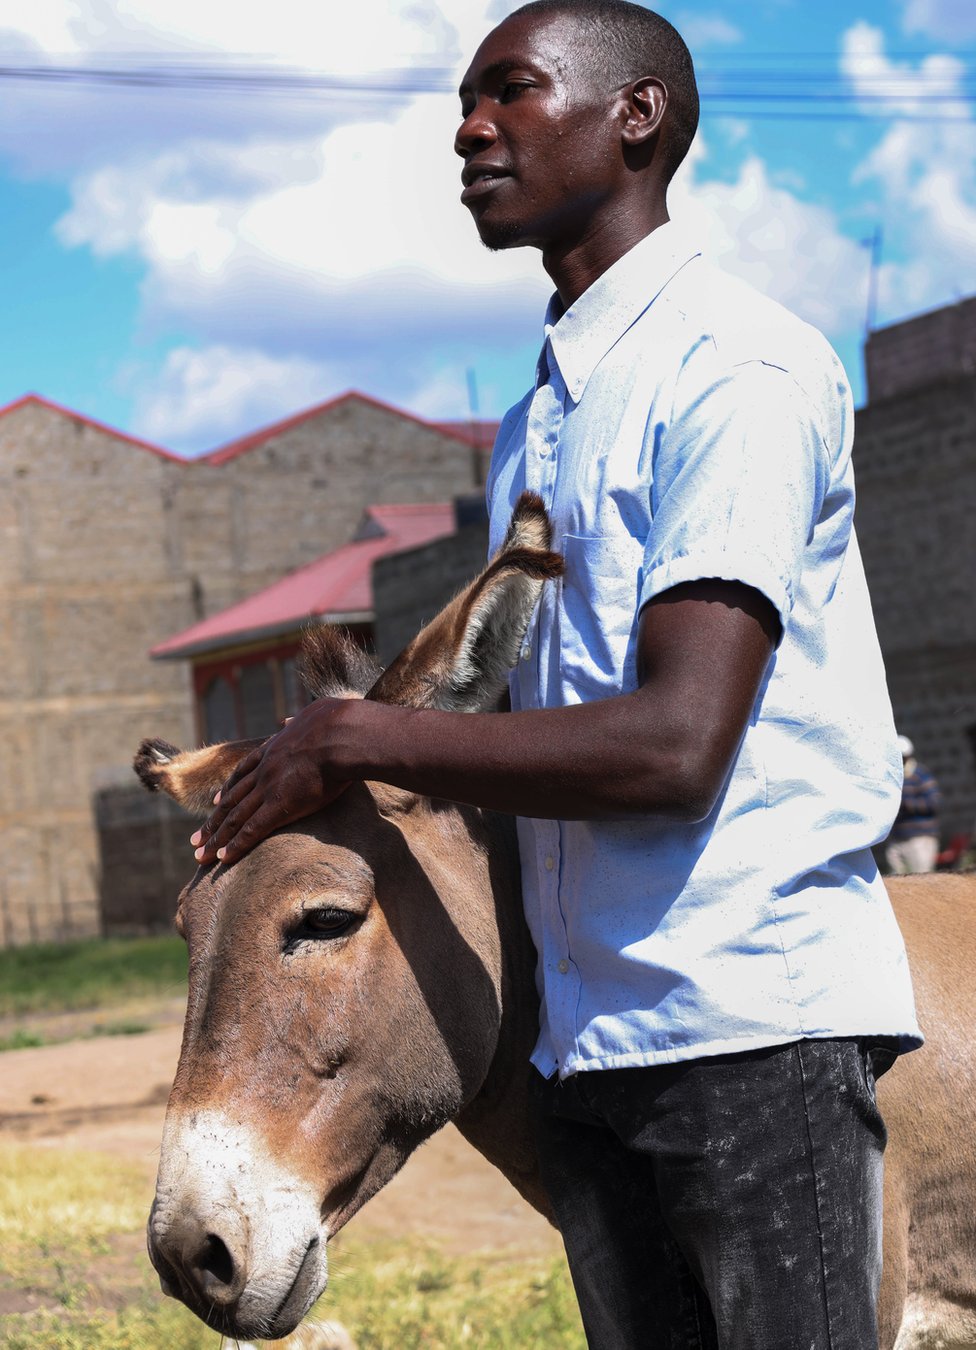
[
  {"x": 647, "y": 103},
  {"x": 190, "y": 777},
  {"x": 460, "y": 661}
]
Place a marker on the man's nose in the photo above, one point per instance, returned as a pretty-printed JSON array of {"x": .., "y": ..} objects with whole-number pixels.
[{"x": 475, "y": 132}]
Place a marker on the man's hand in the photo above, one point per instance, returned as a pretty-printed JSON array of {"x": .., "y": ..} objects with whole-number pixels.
[{"x": 288, "y": 777}]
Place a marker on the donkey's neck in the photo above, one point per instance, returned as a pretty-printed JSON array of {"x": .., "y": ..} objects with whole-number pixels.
[{"x": 497, "y": 1120}]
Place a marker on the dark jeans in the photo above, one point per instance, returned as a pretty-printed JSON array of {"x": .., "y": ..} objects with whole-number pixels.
[{"x": 729, "y": 1202}]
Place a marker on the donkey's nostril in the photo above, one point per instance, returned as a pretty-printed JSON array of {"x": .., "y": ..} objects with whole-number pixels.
[{"x": 215, "y": 1263}]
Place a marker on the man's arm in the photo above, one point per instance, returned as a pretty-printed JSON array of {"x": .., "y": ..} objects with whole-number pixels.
[{"x": 665, "y": 749}]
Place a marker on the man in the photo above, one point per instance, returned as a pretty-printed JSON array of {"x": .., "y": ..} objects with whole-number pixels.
[
  {"x": 913, "y": 844},
  {"x": 700, "y": 750}
]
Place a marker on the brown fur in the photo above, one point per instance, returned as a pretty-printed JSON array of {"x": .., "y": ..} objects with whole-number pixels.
[
  {"x": 332, "y": 665},
  {"x": 929, "y": 1104},
  {"x": 190, "y": 777}
]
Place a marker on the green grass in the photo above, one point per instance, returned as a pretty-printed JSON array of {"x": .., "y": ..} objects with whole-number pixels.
[
  {"x": 59, "y": 1207},
  {"x": 58, "y": 977},
  {"x": 123, "y": 1028},
  {"x": 141, "y": 1327},
  {"x": 25, "y": 1038},
  {"x": 64, "y": 1214},
  {"x": 21, "y": 1039},
  {"x": 407, "y": 1296}
]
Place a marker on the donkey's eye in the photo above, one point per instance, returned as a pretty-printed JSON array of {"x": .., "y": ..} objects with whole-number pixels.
[{"x": 324, "y": 923}]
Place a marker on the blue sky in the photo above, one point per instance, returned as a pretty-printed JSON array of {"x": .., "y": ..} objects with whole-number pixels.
[{"x": 187, "y": 265}]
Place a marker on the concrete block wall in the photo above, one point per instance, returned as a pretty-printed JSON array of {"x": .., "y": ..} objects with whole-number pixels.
[
  {"x": 85, "y": 578},
  {"x": 915, "y": 461},
  {"x": 106, "y": 548},
  {"x": 921, "y": 351},
  {"x": 409, "y": 588},
  {"x": 237, "y": 525},
  {"x": 144, "y": 862}
]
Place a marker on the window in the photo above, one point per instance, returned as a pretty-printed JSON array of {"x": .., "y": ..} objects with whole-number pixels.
[
  {"x": 259, "y": 714},
  {"x": 293, "y": 695},
  {"x": 249, "y": 694},
  {"x": 219, "y": 714}
]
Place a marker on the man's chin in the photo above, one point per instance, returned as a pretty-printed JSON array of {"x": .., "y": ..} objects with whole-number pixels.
[{"x": 498, "y": 235}]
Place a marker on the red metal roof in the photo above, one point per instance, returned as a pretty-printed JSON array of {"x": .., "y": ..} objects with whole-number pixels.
[{"x": 337, "y": 586}]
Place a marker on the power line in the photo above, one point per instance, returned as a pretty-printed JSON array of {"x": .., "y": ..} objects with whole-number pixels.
[{"x": 789, "y": 94}]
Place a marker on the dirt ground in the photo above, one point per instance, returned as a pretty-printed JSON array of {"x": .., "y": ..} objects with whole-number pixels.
[{"x": 109, "y": 1094}]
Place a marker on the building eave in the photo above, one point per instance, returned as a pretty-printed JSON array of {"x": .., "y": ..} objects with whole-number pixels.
[{"x": 258, "y": 636}]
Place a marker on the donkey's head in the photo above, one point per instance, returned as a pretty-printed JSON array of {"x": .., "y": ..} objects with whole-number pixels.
[{"x": 348, "y": 980}]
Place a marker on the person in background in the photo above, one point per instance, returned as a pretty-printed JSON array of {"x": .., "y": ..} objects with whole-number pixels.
[{"x": 913, "y": 844}]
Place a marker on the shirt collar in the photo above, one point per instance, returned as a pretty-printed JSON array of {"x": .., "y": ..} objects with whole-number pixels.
[{"x": 580, "y": 338}]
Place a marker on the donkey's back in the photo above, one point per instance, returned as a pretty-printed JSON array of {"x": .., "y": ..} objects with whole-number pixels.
[{"x": 928, "y": 1298}]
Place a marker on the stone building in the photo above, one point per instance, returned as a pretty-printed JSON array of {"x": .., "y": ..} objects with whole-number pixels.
[
  {"x": 915, "y": 459},
  {"x": 108, "y": 544}
]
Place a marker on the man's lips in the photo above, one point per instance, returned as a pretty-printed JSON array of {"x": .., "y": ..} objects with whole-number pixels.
[{"x": 479, "y": 179}]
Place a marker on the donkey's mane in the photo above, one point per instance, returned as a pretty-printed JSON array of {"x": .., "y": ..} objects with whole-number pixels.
[{"x": 331, "y": 664}]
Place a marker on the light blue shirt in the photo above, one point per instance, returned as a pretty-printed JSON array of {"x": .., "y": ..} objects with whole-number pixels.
[{"x": 683, "y": 426}]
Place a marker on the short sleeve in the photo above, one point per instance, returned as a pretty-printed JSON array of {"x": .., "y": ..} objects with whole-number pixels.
[{"x": 738, "y": 482}]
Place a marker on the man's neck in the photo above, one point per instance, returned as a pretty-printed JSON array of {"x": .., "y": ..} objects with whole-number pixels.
[{"x": 574, "y": 267}]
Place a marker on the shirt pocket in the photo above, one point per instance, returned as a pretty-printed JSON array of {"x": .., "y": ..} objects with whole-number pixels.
[{"x": 598, "y": 598}]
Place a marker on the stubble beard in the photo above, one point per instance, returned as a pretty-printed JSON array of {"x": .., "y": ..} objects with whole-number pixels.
[{"x": 506, "y": 234}]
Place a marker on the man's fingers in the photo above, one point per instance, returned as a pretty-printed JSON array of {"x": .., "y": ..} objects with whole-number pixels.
[
  {"x": 244, "y": 770},
  {"x": 231, "y": 794},
  {"x": 229, "y": 798},
  {"x": 249, "y": 818},
  {"x": 236, "y": 839},
  {"x": 253, "y": 820}
]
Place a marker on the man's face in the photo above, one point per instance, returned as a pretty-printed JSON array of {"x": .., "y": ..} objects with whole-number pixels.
[{"x": 540, "y": 137}]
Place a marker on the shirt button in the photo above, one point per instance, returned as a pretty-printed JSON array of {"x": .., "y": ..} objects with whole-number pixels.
[
  {"x": 550, "y": 863},
  {"x": 563, "y": 967},
  {"x": 526, "y": 653}
]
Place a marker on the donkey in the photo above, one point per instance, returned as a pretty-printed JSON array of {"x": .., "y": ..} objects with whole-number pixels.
[{"x": 365, "y": 975}]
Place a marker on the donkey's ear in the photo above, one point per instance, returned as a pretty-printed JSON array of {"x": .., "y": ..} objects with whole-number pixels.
[
  {"x": 190, "y": 777},
  {"x": 460, "y": 661}
]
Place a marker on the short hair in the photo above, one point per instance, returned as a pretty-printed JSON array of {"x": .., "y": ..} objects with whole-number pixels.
[{"x": 634, "y": 41}]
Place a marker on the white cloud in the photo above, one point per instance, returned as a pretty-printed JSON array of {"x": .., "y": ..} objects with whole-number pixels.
[
  {"x": 373, "y": 242},
  {"x": 443, "y": 395},
  {"x": 373, "y": 246},
  {"x": 900, "y": 86},
  {"x": 706, "y": 30},
  {"x": 950, "y": 20},
  {"x": 924, "y": 169},
  {"x": 206, "y": 396},
  {"x": 764, "y": 231},
  {"x": 54, "y": 25},
  {"x": 338, "y": 38},
  {"x": 50, "y": 128}
]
